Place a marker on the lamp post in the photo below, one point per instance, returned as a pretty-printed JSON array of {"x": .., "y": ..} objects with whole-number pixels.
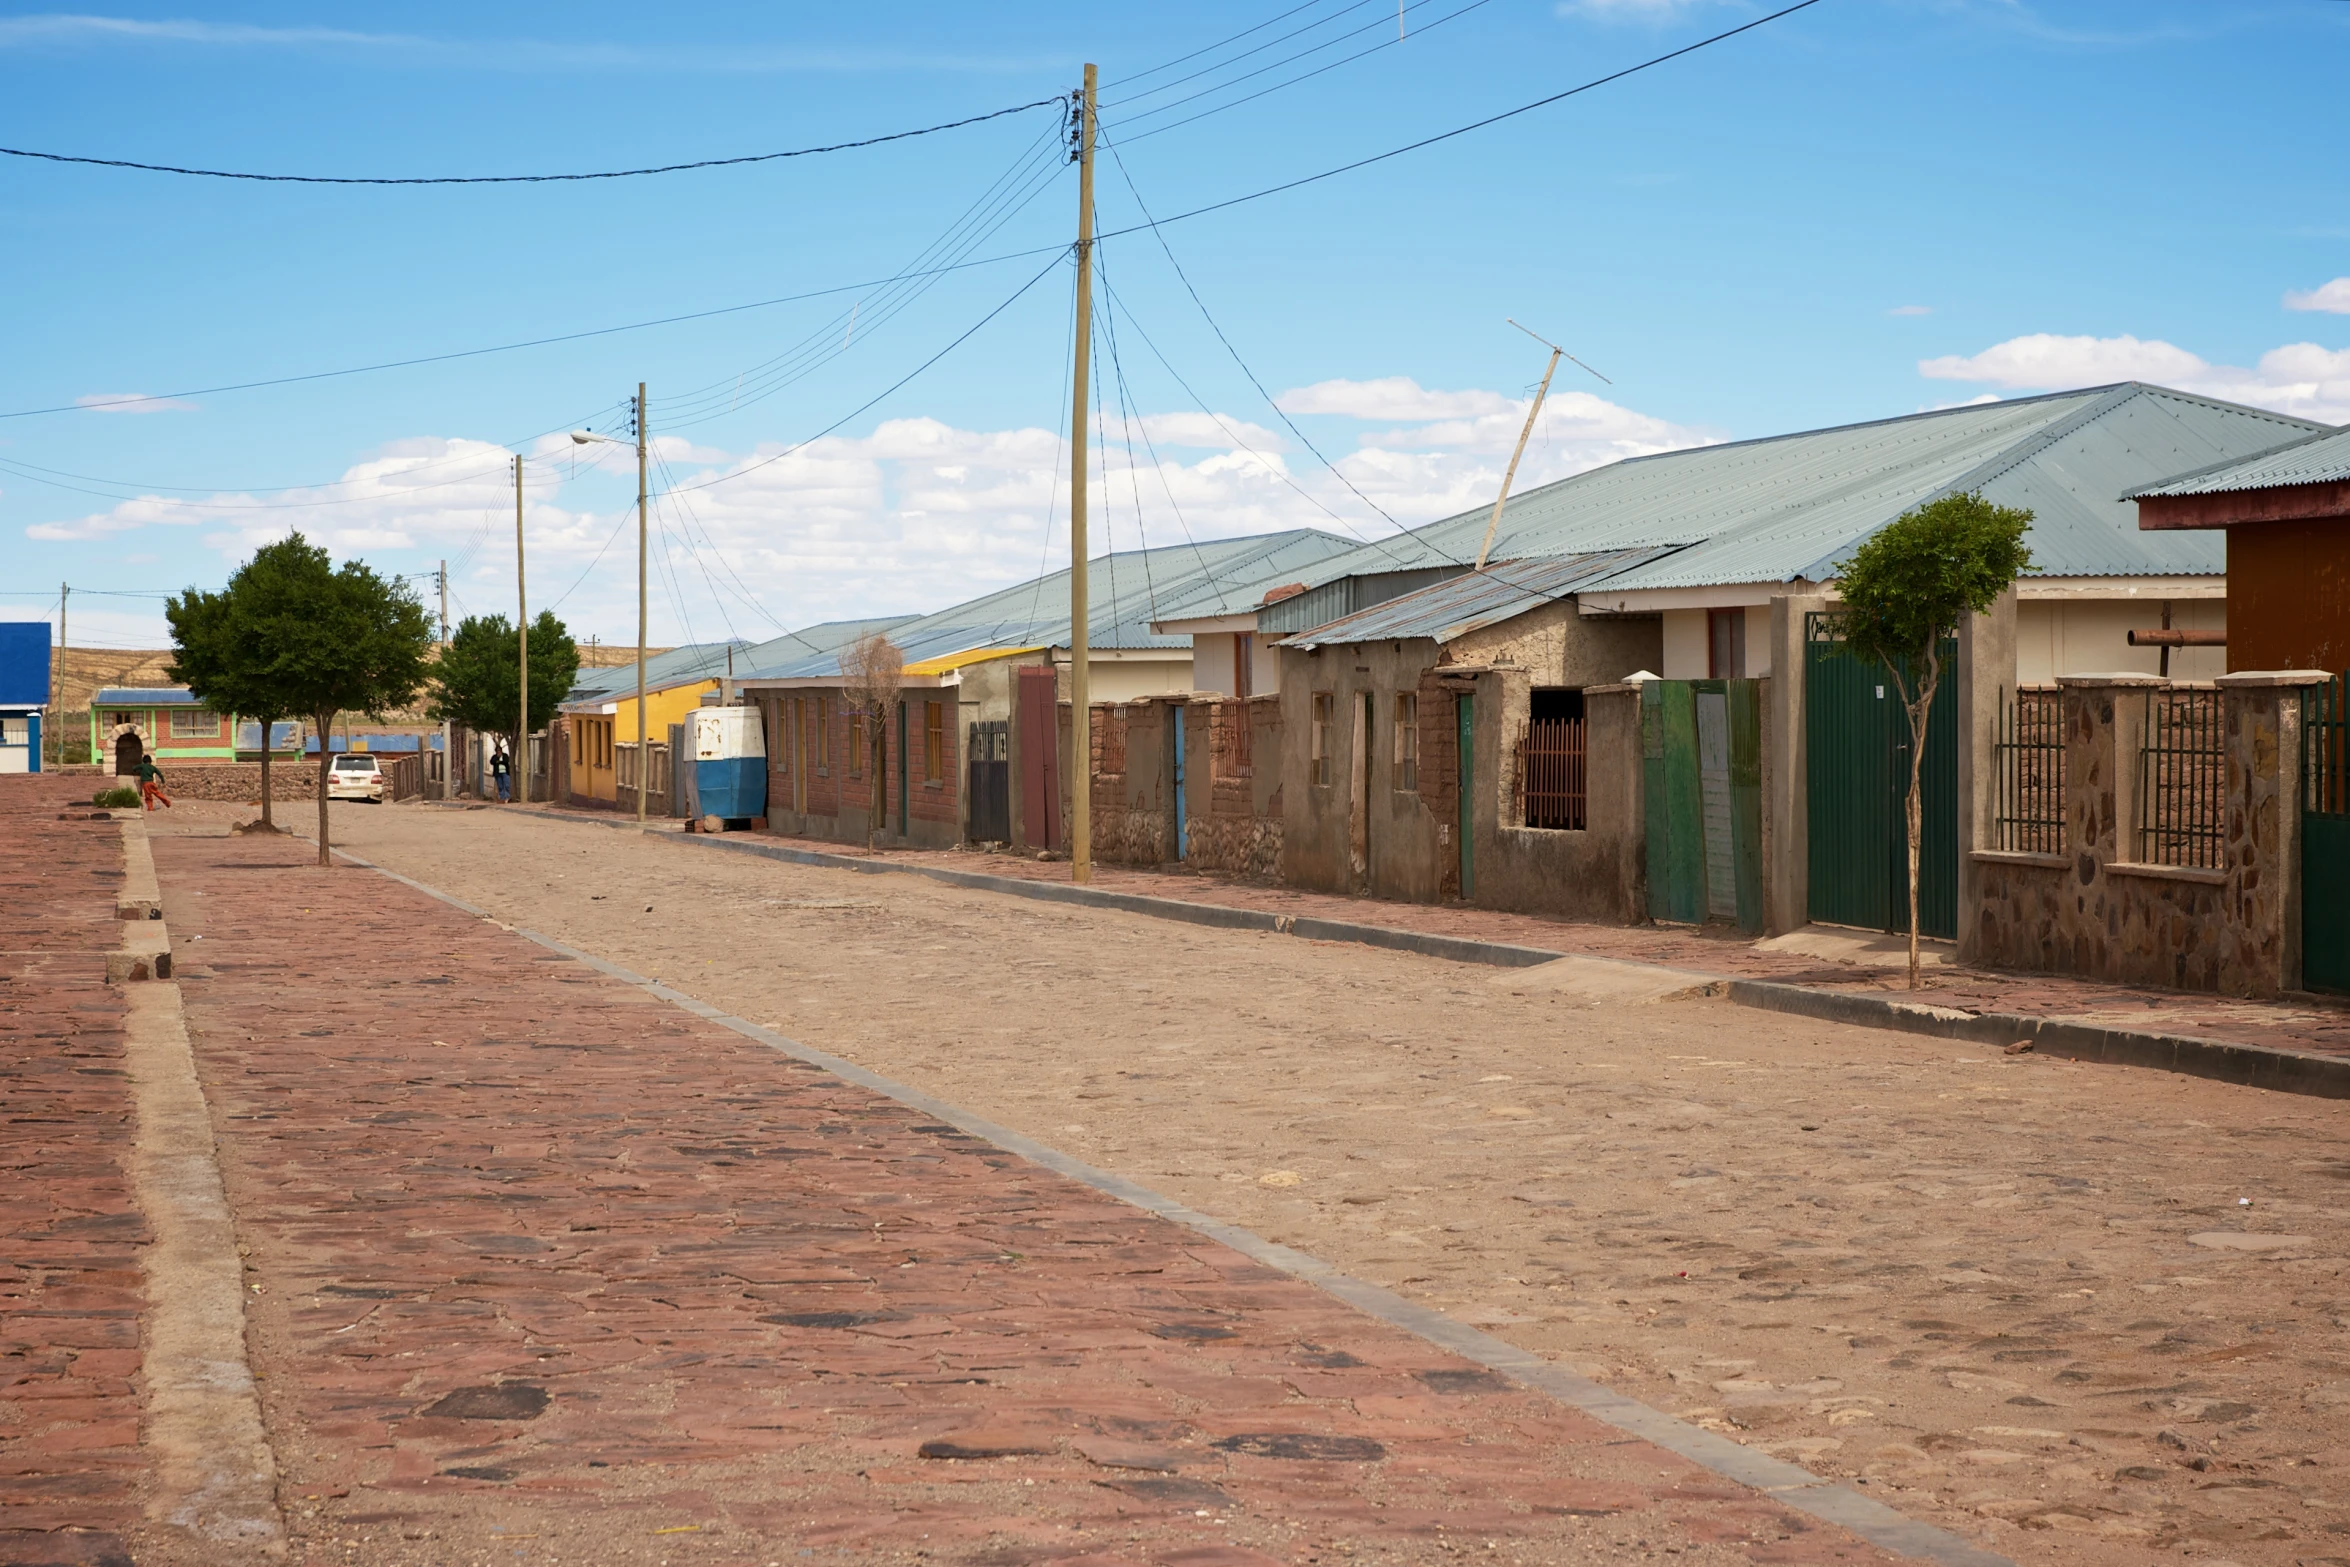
[{"x": 584, "y": 437}]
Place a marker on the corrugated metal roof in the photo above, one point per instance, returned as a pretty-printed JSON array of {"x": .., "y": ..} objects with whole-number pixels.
[
  {"x": 1127, "y": 591},
  {"x": 143, "y": 696},
  {"x": 1793, "y": 506},
  {"x": 694, "y": 661},
  {"x": 1459, "y": 605},
  {"x": 2322, "y": 458}
]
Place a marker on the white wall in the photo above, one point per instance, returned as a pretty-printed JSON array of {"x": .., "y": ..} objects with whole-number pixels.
[
  {"x": 1688, "y": 653},
  {"x": 2091, "y": 636},
  {"x": 1123, "y": 680},
  {"x": 1211, "y": 661}
]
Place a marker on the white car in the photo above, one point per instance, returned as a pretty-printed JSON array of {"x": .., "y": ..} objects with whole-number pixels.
[{"x": 355, "y": 777}]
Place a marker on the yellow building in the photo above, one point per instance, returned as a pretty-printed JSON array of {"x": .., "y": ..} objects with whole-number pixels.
[{"x": 600, "y": 722}]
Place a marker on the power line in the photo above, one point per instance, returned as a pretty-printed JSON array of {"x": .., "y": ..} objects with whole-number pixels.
[
  {"x": 1210, "y": 70},
  {"x": 529, "y": 179},
  {"x": 1246, "y": 32},
  {"x": 1016, "y": 255}
]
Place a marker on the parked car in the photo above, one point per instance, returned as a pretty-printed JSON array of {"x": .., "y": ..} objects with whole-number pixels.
[{"x": 356, "y": 776}]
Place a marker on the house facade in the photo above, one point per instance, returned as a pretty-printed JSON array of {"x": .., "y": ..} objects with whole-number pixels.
[
  {"x": 165, "y": 722},
  {"x": 24, "y": 693}
]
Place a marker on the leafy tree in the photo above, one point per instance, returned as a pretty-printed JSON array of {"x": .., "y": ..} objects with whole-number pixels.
[
  {"x": 214, "y": 656},
  {"x": 1905, "y": 590},
  {"x": 475, "y": 682},
  {"x": 329, "y": 640},
  {"x": 871, "y": 674}
]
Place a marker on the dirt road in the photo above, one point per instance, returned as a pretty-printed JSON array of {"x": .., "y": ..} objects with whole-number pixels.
[{"x": 2081, "y": 1314}]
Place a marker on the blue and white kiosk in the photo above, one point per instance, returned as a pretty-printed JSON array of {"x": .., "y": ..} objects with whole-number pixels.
[
  {"x": 24, "y": 692},
  {"x": 729, "y": 750}
]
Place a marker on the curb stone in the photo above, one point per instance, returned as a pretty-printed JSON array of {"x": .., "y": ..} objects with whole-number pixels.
[{"x": 1790, "y": 1484}]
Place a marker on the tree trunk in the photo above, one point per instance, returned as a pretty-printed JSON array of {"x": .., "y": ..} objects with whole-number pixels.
[
  {"x": 1920, "y": 713},
  {"x": 326, "y": 764},
  {"x": 266, "y": 824},
  {"x": 877, "y": 797}
]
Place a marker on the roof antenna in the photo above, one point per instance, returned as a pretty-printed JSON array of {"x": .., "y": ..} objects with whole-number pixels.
[{"x": 1556, "y": 354}]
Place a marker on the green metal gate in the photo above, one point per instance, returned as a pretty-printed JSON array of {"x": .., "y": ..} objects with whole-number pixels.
[
  {"x": 1857, "y": 738},
  {"x": 1701, "y": 774},
  {"x": 2325, "y": 835}
]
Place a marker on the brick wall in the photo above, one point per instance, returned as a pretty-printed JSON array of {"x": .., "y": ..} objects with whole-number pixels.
[{"x": 1240, "y": 832}]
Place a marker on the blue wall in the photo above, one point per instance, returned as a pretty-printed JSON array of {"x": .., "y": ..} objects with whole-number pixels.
[{"x": 24, "y": 663}]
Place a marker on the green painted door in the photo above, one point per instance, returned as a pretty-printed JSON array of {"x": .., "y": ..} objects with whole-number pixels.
[
  {"x": 1857, "y": 777},
  {"x": 1701, "y": 778},
  {"x": 1465, "y": 716},
  {"x": 2325, "y": 836}
]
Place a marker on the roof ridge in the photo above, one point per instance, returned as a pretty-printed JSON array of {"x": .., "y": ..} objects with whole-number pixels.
[{"x": 2325, "y": 433}]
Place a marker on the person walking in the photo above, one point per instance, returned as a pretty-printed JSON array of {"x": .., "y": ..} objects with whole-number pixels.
[
  {"x": 151, "y": 784},
  {"x": 502, "y": 768}
]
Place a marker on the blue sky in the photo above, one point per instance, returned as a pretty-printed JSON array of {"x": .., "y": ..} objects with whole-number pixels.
[{"x": 1862, "y": 209}]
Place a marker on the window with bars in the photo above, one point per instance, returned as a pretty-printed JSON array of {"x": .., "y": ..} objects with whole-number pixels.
[
  {"x": 934, "y": 742},
  {"x": 1552, "y": 780},
  {"x": 1324, "y": 704},
  {"x": 2027, "y": 814},
  {"x": 824, "y": 735},
  {"x": 2182, "y": 780}
]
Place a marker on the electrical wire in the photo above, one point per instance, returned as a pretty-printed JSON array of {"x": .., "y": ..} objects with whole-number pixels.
[
  {"x": 1246, "y": 32},
  {"x": 967, "y": 334},
  {"x": 1017, "y": 255},
  {"x": 1302, "y": 76},
  {"x": 1270, "y": 43},
  {"x": 530, "y": 179},
  {"x": 1126, "y": 400}
]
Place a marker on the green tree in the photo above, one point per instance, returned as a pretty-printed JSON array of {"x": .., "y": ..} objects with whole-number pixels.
[
  {"x": 1905, "y": 590},
  {"x": 213, "y": 655},
  {"x": 476, "y": 681},
  {"x": 330, "y": 640}
]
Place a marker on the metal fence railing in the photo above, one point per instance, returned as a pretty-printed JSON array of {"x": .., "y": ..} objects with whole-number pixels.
[
  {"x": 2182, "y": 780},
  {"x": 2027, "y": 812},
  {"x": 2325, "y": 748},
  {"x": 1552, "y": 774}
]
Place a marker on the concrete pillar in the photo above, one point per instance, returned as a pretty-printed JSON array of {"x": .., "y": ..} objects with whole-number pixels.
[
  {"x": 2104, "y": 729},
  {"x": 1787, "y": 868},
  {"x": 1986, "y": 676}
]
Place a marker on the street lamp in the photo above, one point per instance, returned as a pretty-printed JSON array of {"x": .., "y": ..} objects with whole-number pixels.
[{"x": 584, "y": 437}]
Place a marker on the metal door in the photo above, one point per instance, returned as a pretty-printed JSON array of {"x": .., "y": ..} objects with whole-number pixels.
[
  {"x": 1713, "y": 792},
  {"x": 1856, "y": 781},
  {"x": 1182, "y": 826},
  {"x": 990, "y": 787},
  {"x": 2325, "y": 836},
  {"x": 1465, "y": 748},
  {"x": 1701, "y": 783},
  {"x": 1040, "y": 760}
]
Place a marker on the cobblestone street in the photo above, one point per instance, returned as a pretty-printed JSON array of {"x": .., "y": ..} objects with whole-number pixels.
[{"x": 540, "y": 1267}]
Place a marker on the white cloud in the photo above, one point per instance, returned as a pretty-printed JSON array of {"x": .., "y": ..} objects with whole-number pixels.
[
  {"x": 1911, "y": 310},
  {"x": 1390, "y": 397},
  {"x": 132, "y": 403},
  {"x": 2303, "y": 379},
  {"x": 41, "y": 29},
  {"x": 914, "y": 516},
  {"x": 2333, "y": 298}
]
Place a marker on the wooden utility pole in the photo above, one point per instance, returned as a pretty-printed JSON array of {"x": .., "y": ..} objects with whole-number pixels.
[
  {"x": 641, "y": 770},
  {"x": 1556, "y": 354},
  {"x": 521, "y": 763},
  {"x": 448, "y": 733},
  {"x": 57, "y": 708},
  {"x": 1080, "y": 681}
]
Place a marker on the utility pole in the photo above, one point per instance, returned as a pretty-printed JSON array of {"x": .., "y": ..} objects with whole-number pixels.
[
  {"x": 522, "y": 628},
  {"x": 57, "y": 705},
  {"x": 640, "y": 607},
  {"x": 448, "y": 736},
  {"x": 1080, "y": 681},
  {"x": 1556, "y": 354}
]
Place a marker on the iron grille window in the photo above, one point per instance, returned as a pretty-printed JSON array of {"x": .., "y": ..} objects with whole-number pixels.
[
  {"x": 2028, "y": 813},
  {"x": 934, "y": 742},
  {"x": 1324, "y": 702},
  {"x": 2182, "y": 780},
  {"x": 1552, "y": 789},
  {"x": 2325, "y": 748}
]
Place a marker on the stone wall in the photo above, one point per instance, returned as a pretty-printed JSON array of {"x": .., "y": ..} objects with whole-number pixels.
[
  {"x": 2097, "y": 910},
  {"x": 241, "y": 781},
  {"x": 1239, "y": 834}
]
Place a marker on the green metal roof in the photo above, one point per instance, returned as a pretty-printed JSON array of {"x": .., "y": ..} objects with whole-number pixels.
[
  {"x": 2323, "y": 458},
  {"x": 1792, "y": 507}
]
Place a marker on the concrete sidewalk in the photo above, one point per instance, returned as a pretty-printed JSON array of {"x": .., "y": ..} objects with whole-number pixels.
[{"x": 545, "y": 1266}]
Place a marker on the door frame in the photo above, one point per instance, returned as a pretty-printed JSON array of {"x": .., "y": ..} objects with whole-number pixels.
[{"x": 1464, "y": 706}]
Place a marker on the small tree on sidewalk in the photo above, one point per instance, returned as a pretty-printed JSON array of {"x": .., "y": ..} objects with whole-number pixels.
[
  {"x": 1905, "y": 591},
  {"x": 214, "y": 654},
  {"x": 332, "y": 640},
  {"x": 871, "y": 675}
]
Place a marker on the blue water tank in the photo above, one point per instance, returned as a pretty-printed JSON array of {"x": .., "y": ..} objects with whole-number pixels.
[{"x": 730, "y": 761}]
